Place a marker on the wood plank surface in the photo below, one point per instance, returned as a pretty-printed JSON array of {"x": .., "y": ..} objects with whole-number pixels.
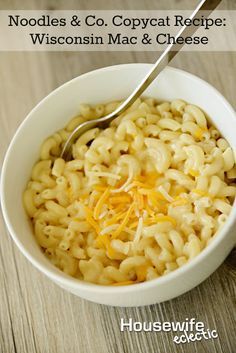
[{"x": 36, "y": 316}]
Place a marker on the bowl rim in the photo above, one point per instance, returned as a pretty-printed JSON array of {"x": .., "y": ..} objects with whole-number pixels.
[{"x": 67, "y": 281}]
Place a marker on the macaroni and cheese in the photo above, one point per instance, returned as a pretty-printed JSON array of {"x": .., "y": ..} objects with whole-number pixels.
[{"x": 139, "y": 199}]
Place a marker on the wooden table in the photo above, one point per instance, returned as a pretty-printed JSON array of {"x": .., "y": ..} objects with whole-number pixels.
[{"x": 36, "y": 315}]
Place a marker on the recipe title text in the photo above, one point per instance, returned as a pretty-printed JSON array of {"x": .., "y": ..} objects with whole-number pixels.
[{"x": 121, "y": 30}]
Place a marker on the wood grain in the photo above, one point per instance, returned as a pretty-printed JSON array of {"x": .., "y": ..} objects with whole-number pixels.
[{"x": 36, "y": 316}]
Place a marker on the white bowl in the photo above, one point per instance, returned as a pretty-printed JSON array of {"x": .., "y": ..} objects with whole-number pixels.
[{"x": 51, "y": 114}]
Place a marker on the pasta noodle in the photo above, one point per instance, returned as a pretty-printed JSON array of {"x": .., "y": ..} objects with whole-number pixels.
[{"x": 139, "y": 199}]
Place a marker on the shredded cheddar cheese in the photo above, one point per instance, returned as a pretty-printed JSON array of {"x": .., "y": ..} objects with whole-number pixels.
[
  {"x": 140, "y": 201},
  {"x": 100, "y": 203},
  {"x": 133, "y": 225},
  {"x": 157, "y": 194},
  {"x": 100, "y": 187},
  {"x": 125, "y": 211},
  {"x": 139, "y": 230},
  {"x": 150, "y": 211},
  {"x": 125, "y": 198},
  {"x": 198, "y": 133},
  {"x": 124, "y": 222},
  {"x": 102, "y": 241},
  {"x": 142, "y": 185},
  {"x": 193, "y": 172},
  {"x": 90, "y": 219},
  {"x": 159, "y": 219},
  {"x": 83, "y": 197},
  {"x": 115, "y": 218},
  {"x": 177, "y": 190},
  {"x": 154, "y": 202},
  {"x": 179, "y": 201},
  {"x": 201, "y": 193}
]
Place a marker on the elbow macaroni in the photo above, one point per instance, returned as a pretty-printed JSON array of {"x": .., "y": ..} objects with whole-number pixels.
[{"x": 139, "y": 199}]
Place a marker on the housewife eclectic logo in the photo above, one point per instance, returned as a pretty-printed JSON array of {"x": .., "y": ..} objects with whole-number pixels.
[{"x": 186, "y": 331}]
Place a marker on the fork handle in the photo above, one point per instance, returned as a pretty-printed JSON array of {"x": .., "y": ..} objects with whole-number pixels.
[
  {"x": 186, "y": 31},
  {"x": 204, "y": 5}
]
